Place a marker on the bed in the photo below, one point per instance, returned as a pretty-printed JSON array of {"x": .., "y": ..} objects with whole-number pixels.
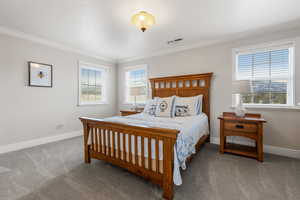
[{"x": 152, "y": 147}]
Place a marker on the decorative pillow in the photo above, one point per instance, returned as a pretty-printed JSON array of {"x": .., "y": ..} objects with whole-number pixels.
[
  {"x": 165, "y": 107},
  {"x": 200, "y": 104},
  {"x": 150, "y": 107},
  {"x": 188, "y": 106}
]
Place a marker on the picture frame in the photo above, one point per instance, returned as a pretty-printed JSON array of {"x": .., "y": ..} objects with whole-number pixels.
[{"x": 40, "y": 75}]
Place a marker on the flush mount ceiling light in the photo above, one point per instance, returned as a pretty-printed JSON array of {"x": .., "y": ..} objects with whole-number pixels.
[{"x": 143, "y": 20}]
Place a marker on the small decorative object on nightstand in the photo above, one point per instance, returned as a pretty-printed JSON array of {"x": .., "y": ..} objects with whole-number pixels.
[
  {"x": 250, "y": 126},
  {"x": 129, "y": 112}
]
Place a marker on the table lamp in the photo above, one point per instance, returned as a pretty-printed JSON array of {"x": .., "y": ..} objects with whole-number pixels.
[
  {"x": 240, "y": 87},
  {"x": 137, "y": 91}
]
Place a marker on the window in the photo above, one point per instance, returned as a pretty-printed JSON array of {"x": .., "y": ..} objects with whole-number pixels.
[
  {"x": 92, "y": 84},
  {"x": 270, "y": 75},
  {"x": 136, "y": 85}
]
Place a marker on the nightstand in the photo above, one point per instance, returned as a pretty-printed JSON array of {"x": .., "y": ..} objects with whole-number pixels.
[
  {"x": 250, "y": 126},
  {"x": 129, "y": 112}
]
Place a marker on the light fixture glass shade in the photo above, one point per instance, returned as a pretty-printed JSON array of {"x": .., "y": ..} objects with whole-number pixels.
[
  {"x": 143, "y": 20},
  {"x": 241, "y": 87}
]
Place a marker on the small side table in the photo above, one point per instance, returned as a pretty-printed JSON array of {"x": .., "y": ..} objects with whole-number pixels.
[{"x": 250, "y": 126}]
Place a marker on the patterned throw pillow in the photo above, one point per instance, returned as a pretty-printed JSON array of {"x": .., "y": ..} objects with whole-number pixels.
[
  {"x": 150, "y": 107},
  {"x": 165, "y": 107},
  {"x": 181, "y": 111},
  {"x": 188, "y": 106}
]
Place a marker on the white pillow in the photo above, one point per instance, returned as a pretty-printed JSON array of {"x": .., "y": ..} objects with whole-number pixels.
[
  {"x": 150, "y": 107},
  {"x": 165, "y": 107},
  {"x": 188, "y": 106}
]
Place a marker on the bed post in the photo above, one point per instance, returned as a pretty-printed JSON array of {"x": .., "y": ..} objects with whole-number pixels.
[
  {"x": 86, "y": 131},
  {"x": 168, "y": 146}
]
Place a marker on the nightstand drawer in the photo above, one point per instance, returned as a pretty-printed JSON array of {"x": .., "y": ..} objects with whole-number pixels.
[
  {"x": 129, "y": 112},
  {"x": 242, "y": 127}
]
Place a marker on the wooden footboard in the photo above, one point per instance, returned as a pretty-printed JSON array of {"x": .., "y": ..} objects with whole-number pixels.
[{"x": 125, "y": 146}]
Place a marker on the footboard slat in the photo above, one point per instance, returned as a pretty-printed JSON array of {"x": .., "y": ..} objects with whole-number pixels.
[
  {"x": 113, "y": 144},
  {"x": 109, "y": 143},
  {"x": 130, "y": 150},
  {"x": 119, "y": 145},
  {"x": 156, "y": 154},
  {"x": 124, "y": 147},
  {"x": 136, "y": 150},
  {"x": 104, "y": 140},
  {"x": 143, "y": 151},
  {"x": 100, "y": 140},
  {"x": 97, "y": 139},
  {"x": 149, "y": 154},
  {"x": 92, "y": 138}
]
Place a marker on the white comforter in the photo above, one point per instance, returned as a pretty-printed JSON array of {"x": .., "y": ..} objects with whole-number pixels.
[{"x": 191, "y": 129}]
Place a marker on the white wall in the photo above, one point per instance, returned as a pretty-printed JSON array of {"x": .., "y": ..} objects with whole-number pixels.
[
  {"x": 29, "y": 113},
  {"x": 283, "y": 127}
]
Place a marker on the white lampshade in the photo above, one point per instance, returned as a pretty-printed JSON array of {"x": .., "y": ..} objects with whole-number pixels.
[
  {"x": 241, "y": 87},
  {"x": 137, "y": 91}
]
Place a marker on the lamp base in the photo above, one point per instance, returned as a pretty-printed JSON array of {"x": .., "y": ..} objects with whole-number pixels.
[
  {"x": 240, "y": 110},
  {"x": 135, "y": 108}
]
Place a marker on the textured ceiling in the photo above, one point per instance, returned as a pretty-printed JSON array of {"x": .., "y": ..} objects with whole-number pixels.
[{"x": 103, "y": 26}]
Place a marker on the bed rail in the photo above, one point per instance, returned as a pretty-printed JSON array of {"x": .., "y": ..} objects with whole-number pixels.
[{"x": 126, "y": 145}]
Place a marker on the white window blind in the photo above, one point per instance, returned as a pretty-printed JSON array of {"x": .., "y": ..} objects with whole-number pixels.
[{"x": 270, "y": 75}]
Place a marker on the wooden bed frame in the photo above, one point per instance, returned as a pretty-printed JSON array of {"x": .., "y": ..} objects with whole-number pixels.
[{"x": 98, "y": 146}]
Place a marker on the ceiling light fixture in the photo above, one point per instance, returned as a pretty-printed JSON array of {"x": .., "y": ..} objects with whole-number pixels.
[{"x": 143, "y": 20}]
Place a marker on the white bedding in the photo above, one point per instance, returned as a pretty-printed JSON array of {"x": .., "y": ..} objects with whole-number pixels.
[{"x": 191, "y": 129}]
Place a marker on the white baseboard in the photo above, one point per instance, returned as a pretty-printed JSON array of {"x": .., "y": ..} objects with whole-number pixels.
[
  {"x": 215, "y": 140},
  {"x": 292, "y": 153},
  {"x": 36, "y": 142}
]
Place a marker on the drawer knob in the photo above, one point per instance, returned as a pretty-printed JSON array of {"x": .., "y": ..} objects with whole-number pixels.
[{"x": 239, "y": 126}]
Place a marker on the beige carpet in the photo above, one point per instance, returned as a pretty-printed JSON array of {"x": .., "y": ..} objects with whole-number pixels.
[{"x": 56, "y": 172}]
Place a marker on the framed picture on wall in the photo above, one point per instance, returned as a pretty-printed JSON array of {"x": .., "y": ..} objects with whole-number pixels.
[{"x": 40, "y": 75}]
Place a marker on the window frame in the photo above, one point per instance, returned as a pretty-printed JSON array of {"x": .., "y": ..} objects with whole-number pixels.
[
  {"x": 132, "y": 68},
  {"x": 96, "y": 67},
  {"x": 263, "y": 48}
]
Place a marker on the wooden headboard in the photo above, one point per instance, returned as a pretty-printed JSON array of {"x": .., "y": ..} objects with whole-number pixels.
[{"x": 184, "y": 86}]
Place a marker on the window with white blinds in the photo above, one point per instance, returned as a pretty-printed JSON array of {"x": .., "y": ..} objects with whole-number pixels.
[{"x": 270, "y": 76}]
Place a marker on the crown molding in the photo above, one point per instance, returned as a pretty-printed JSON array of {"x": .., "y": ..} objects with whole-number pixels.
[
  {"x": 49, "y": 43},
  {"x": 170, "y": 50}
]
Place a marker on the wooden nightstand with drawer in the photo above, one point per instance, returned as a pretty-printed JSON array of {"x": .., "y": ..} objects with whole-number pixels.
[{"x": 250, "y": 126}]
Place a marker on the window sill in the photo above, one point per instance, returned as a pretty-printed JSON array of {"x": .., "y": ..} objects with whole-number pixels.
[
  {"x": 92, "y": 104},
  {"x": 132, "y": 104},
  {"x": 270, "y": 107}
]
